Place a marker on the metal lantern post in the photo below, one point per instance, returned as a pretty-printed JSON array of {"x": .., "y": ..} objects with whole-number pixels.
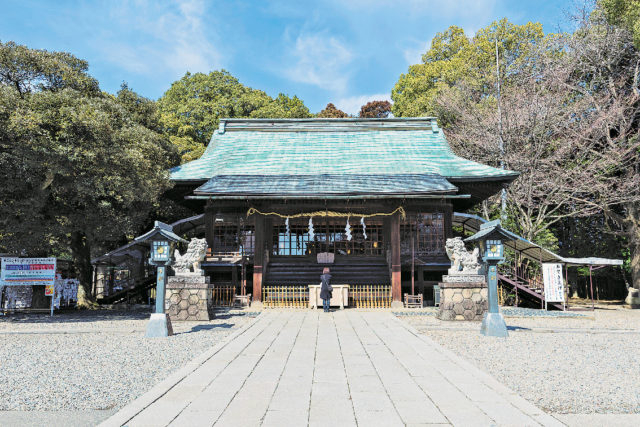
[
  {"x": 162, "y": 240},
  {"x": 490, "y": 237}
]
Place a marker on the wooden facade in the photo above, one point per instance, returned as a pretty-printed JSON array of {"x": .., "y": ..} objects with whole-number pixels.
[{"x": 261, "y": 181}]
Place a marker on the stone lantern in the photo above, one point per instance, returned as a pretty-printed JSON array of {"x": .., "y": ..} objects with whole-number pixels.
[
  {"x": 162, "y": 240},
  {"x": 490, "y": 238}
]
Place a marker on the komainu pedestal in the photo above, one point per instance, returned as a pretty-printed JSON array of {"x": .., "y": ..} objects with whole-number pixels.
[
  {"x": 189, "y": 298},
  {"x": 463, "y": 300},
  {"x": 463, "y": 292}
]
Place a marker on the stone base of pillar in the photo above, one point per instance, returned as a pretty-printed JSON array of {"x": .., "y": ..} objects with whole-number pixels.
[
  {"x": 493, "y": 325},
  {"x": 188, "y": 298},
  {"x": 633, "y": 298},
  {"x": 463, "y": 301},
  {"x": 159, "y": 326},
  {"x": 256, "y": 305},
  {"x": 397, "y": 304}
]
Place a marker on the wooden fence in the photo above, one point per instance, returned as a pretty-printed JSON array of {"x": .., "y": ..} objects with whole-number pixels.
[
  {"x": 370, "y": 296},
  {"x": 223, "y": 296},
  {"x": 285, "y": 296}
]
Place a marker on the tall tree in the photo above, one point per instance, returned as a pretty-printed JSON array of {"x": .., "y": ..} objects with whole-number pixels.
[
  {"x": 78, "y": 168},
  {"x": 454, "y": 58},
  {"x": 623, "y": 13},
  {"x": 331, "y": 112},
  {"x": 375, "y": 110},
  {"x": 192, "y": 107},
  {"x": 283, "y": 107},
  {"x": 569, "y": 121}
]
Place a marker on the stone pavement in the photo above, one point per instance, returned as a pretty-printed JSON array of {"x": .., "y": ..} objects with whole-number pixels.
[{"x": 351, "y": 367}]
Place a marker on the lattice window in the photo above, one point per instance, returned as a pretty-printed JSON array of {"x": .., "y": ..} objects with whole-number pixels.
[
  {"x": 428, "y": 231},
  {"x": 225, "y": 238},
  {"x": 248, "y": 240},
  {"x": 294, "y": 243},
  {"x": 329, "y": 237}
]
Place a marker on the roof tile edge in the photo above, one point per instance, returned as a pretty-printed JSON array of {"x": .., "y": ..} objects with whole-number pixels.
[{"x": 327, "y": 124}]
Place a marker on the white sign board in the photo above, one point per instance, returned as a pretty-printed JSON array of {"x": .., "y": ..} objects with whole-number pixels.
[
  {"x": 553, "y": 282},
  {"x": 27, "y": 271}
]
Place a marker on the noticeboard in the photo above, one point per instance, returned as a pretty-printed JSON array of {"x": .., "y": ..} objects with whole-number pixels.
[
  {"x": 27, "y": 271},
  {"x": 553, "y": 282}
]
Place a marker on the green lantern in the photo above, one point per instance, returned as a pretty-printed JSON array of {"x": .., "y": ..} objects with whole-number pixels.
[
  {"x": 160, "y": 251},
  {"x": 490, "y": 237},
  {"x": 162, "y": 238},
  {"x": 494, "y": 250}
]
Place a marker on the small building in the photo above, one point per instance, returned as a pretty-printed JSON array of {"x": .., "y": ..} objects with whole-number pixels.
[{"x": 372, "y": 197}]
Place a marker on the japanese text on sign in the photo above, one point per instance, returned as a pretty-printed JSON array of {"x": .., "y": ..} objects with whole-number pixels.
[
  {"x": 553, "y": 282},
  {"x": 27, "y": 271}
]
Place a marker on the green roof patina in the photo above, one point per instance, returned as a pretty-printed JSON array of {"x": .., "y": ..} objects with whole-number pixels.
[
  {"x": 331, "y": 156},
  {"x": 325, "y": 185}
]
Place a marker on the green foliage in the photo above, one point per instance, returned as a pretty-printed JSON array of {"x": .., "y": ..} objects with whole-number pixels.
[
  {"x": 331, "y": 112},
  {"x": 192, "y": 108},
  {"x": 282, "y": 107},
  {"x": 79, "y": 168},
  {"x": 28, "y": 70},
  {"x": 624, "y": 13},
  {"x": 454, "y": 58}
]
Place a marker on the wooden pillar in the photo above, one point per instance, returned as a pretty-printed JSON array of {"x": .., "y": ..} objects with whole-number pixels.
[
  {"x": 209, "y": 224},
  {"x": 234, "y": 275},
  {"x": 448, "y": 221},
  {"x": 258, "y": 258},
  {"x": 396, "y": 268}
]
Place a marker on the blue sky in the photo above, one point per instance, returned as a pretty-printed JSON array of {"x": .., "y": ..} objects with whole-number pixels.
[{"x": 345, "y": 52}]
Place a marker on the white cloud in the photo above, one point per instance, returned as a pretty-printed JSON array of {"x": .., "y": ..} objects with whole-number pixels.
[
  {"x": 321, "y": 61},
  {"x": 146, "y": 36},
  {"x": 413, "y": 53},
  {"x": 352, "y": 104}
]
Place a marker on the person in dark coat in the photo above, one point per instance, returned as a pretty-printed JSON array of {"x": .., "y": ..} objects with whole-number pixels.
[{"x": 326, "y": 290}]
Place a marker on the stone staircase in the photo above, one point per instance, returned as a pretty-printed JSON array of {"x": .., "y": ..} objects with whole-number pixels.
[{"x": 528, "y": 289}]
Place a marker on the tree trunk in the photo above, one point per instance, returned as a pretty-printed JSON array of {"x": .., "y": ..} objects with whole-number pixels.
[
  {"x": 81, "y": 252},
  {"x": 635, "y": 260},
  {"x": 633, "y": 232}
]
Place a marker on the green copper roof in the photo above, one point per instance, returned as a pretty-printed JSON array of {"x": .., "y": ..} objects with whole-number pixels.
[
  {"x": 293, "y": 148},
  {"x": 325, "y": 185}
]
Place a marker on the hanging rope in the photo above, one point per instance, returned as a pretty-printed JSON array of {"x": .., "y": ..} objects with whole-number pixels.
[{"x": 332, "y": 214}]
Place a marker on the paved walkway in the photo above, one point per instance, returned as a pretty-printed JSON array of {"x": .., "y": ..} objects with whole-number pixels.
[{"x": 296, "y": 368}]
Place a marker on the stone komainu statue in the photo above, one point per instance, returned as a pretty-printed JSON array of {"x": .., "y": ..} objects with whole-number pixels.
[
  {"x": 195, "y": 254},
  {"x": 462, "y": 261}
]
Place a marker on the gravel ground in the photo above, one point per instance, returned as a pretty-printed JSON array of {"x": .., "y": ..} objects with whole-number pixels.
[
  {"x": 567, "y": 365},
  {"x": 95, "y": 359}
]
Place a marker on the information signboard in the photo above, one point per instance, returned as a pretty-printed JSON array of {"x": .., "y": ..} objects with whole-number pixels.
[
  {"x": 27, "y": 271},
  {"x": 553, "y": 282}
]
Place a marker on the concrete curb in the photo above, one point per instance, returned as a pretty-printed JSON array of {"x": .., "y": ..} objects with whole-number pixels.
[{"x": 125, "y": 414}]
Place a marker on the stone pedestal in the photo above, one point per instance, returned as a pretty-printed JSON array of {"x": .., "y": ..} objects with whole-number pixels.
[
  {"x": 633, "y": 298},
  {"x": 159, "y": 326},
  {"x": 188, "y": 298},
  {"x": 463, "y": 300}
]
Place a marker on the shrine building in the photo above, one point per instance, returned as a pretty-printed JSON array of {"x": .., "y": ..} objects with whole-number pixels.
[{"x": 373, "y": 199}]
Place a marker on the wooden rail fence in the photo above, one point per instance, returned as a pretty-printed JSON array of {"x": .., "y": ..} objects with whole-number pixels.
[
  {"x": 285, "y": 296},
  {"x": 223, "y": 296},
  {"x": 370, "y": 296}
]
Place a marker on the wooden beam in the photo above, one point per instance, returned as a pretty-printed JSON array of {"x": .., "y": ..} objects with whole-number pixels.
[{"x": 396, "y": 269}]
